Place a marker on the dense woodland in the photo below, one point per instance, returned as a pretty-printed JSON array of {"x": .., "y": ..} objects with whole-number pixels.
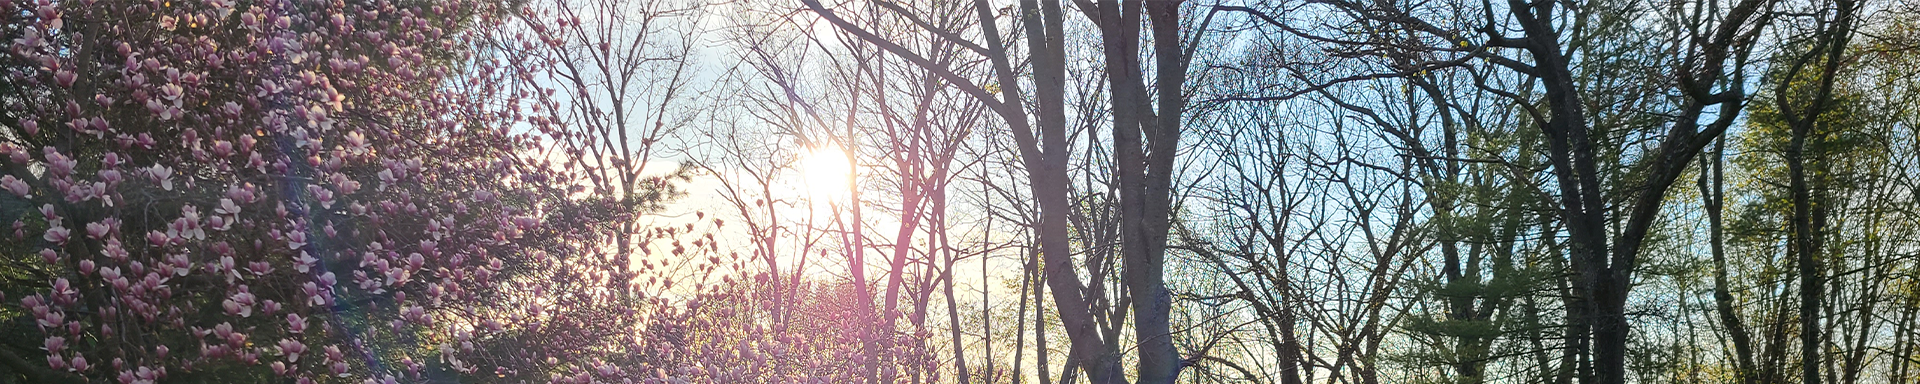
[{"x": 946, "y": 191}]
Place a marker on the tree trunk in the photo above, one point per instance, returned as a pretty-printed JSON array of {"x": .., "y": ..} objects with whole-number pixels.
[
  {"x": 1829, "y": 48},
  {"x": 1806, "y": 248},
  {"x": 1713, "y": 198},
  {"x": 1145, "y": 144}
]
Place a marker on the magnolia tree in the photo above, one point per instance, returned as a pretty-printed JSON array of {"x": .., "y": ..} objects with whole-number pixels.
[{"x": 317, "y": 191}]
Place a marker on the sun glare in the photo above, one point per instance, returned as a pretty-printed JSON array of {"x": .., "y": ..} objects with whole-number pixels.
[{"x": 824, "y": 171}]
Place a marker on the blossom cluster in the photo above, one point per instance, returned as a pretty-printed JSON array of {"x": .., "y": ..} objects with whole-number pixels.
[{"x": 235, "y": 188}]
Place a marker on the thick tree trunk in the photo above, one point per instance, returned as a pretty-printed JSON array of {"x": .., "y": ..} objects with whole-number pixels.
[
  {"x": 1145, "y": 140},
  {"x": 33, "y": 370}
]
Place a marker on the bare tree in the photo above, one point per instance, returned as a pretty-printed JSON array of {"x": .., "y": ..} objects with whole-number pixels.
[
  {"x": 1553, "y": 52},
  {"x": 612, "y": 80}
]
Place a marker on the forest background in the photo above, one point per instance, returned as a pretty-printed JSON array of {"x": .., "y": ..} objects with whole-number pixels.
[{"x": 986, "y": 191}]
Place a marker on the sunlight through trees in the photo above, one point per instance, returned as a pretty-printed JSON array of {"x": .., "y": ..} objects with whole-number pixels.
[{"x": 984, "y": 191}]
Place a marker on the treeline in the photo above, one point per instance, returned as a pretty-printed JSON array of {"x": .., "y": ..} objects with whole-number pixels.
[
  {"x": 1447, "y": 191},
  {"x": 1101, "y": 191}
]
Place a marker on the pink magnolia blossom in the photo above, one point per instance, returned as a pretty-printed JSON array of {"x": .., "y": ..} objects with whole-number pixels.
[
  {"x": 54, "y": 344},
  {"x": 58, "y": 164},
  {"x": 57, "y": 235},
  {"x": 161, "y": 174},
  {"x": 296, "y": 324},
  {"x": 65, "y": 77},
  {"x": 15, "y": 185},
  {"x": 96, "y": 230},
  {"x": 304, "y": 262},
  {"x": 79, "y": 363},
  {"x": 292, "y": 349}
]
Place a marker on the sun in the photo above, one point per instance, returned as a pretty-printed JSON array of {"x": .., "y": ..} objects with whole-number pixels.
[{"x": 824, "y": 172}]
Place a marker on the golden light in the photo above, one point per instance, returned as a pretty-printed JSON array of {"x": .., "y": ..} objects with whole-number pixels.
[{"x": 825, "y": 171}]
